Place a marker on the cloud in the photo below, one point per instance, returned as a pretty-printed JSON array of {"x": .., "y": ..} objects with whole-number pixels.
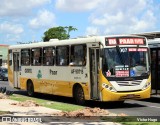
[
  {"x": 114, "y": 17},
  {"x": 147, "y": 22},
  {"x": 108, "y": 19},
  {"x": 10, "y": 32},
  {"x": 10, "y": 28},
  {"x": 11, "y": 38},
  {"x": 18, "y": 8},
  {"x": 76, "y": 5},
  {"x": 92, "y": 31},
  {"x": 44, "y": 19}
]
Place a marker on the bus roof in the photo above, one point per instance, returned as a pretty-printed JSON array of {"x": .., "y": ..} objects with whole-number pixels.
[
  {"x": 149, "y": 35},
  {"x": 154, "y": 42},
  {"x": 56, "y": 42}
]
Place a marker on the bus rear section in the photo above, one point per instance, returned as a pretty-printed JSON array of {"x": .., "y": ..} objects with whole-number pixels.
[{"x": 155, "y": 65}]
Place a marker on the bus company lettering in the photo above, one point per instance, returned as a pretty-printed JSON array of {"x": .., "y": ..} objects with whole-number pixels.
[
  {"x": 76, "y": 71},
  {"x": 131, "y": 41},
  {"x": 28, "y": 70},
  {"x": 53, "y": 72},
  {"x": 112, "y": 41}
]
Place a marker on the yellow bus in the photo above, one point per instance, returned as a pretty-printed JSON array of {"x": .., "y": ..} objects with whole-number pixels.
[{"x": 100, "y": 68}]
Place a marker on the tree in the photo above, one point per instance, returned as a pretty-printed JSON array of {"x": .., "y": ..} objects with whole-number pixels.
[
  {"x": 58, "y": 33},
  {"x": 69, "y": 29}
]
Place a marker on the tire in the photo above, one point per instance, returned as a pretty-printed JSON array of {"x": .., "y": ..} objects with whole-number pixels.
[
  {"x": 79, "y": 95},
  {"x": 30, "y": 88}
]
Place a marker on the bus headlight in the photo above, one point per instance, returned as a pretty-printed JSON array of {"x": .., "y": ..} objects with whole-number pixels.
[
  {"x": 146, "y": 85},
  {"x": 108, "y": 87}
]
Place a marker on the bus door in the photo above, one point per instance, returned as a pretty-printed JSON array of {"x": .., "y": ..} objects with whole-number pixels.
[
  {"x": 94, "y": 62},
  {"x": 155, "y": 70},
  {"x": 16, "y": 69}
]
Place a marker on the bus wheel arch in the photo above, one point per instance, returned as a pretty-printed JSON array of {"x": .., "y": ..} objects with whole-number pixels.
[
  {"x": 78, "y": 94},
  {"x": 30, "y": 87}
]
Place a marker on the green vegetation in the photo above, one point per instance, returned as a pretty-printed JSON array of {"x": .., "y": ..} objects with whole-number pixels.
[
  {"x": 60, "y": 33},
  {"x": 49, "y": 104},
  {"x": 127, "y": 120},
  {"x": 140, "y": 123},
  {"x": 119, "y": 118}
]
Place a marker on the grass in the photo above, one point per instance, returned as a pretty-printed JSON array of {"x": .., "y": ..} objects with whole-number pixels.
[
  {"x": 140, "y": 123},
  {"x": 48, "y": 104},
  {"x": 129, "y": 120}
]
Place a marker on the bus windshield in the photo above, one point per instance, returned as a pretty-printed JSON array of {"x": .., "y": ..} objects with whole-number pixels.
[{"x": 125, "y": 62}]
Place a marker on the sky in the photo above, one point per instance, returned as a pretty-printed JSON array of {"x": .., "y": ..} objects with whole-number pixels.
[{"x": 27, "y": 20}]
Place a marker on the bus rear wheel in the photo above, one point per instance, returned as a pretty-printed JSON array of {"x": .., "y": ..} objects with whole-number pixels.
[
  {"x": 79, "y": 95},
  {"x": 30, "y": 88}
]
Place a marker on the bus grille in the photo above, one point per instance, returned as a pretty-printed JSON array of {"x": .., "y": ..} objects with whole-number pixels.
[{"x": 129, "y": 83}]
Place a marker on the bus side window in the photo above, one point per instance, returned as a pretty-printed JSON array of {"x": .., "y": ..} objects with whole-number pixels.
[
  {"x": 36, "y": 56},
  {"x": 25, "y": 57},
  {"x": 78, "y": 55},
  {"x": 48, "y": 56},
  {"x": 62, "y": 55}
]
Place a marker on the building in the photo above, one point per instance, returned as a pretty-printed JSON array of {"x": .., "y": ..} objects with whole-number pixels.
[{"x": 3, "y": 55}]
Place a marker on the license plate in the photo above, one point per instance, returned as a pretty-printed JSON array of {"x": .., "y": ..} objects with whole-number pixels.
[{"x": 130, "y": 96}]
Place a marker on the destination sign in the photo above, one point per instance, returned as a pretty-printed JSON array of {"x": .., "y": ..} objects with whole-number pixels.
[
  {"x": 137, "y": 49},
  {"x": 131, "y": 41},
  {"x": 124, "y": 41}
]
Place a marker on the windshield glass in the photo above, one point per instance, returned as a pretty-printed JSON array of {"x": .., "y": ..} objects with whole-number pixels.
[{"x": 125, "y": 62}]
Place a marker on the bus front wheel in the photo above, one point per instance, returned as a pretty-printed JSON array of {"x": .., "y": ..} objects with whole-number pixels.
[
  {"x": 79, "y": 95},
  {"x": 30, "y": 88}
]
